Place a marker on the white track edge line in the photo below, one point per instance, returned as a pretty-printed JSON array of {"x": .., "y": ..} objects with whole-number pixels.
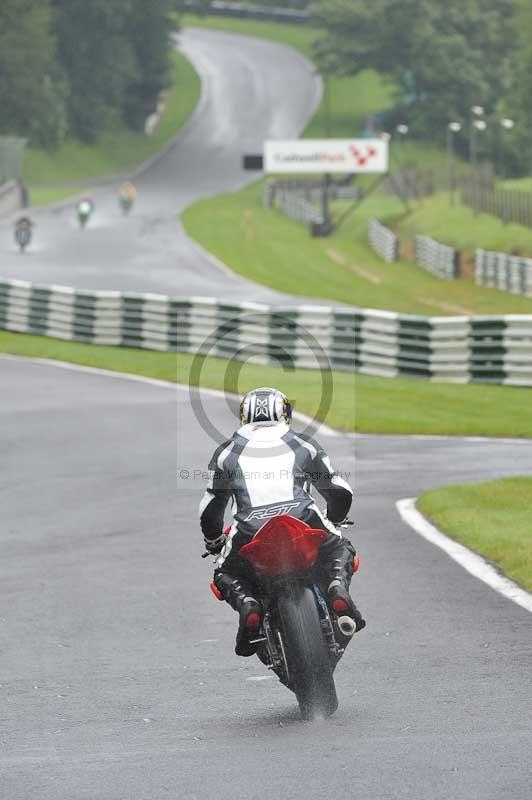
[
  {"x": 321, "y": 427},
  {"x": 470, "y": 561}
]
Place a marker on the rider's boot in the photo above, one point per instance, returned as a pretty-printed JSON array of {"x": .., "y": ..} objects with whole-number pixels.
[
  {"x": 238, "y": 594},
  {"x": 339, "y": 572}
]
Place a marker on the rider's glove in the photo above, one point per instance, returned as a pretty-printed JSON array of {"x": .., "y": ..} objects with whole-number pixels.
[
  {"x": 344, "y": 523},
  {"x": 215, "y": 546}
]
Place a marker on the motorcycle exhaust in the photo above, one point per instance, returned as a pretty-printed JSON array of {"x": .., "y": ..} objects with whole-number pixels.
[{"x": 347, "y": 625}]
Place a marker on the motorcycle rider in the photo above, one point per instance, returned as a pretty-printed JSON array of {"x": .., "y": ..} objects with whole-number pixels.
[
  {"x": 267, "y": 470},
  {"x": 85, "y": 209},
  {"x": 23, "y": 231},
  {"x": 127, "y": 195}
]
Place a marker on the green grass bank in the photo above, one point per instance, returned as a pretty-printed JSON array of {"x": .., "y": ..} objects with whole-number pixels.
[
  {"x": 268, "y": 247},
  {"x": 358, "y": 402},
  {"x": 44, "y": 195},
  {"x": 492, "y": 518},
  {"x": 119, "y": 148},
  {"x": 459, "y": 226}
]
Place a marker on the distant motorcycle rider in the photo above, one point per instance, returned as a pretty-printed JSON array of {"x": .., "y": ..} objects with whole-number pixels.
[
  {"x": 23, "y": 232},
  {"x": 126, "y": 196},
  {"x": 85, "y": 208},
  {"x": 267, "y": 470}
]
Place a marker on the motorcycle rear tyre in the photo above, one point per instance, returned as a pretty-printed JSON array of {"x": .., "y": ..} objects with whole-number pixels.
[
  {"x": 307, "y": 656},
  {"x": 23, "y": 239}
]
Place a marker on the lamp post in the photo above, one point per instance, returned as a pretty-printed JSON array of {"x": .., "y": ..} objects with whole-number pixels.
[
  {"x": 402, "y": 130},
  {"x": 477, "y": 124},
  {"x": 506, "y": 125},
  {"x": 452, "y": 128},
  {"x": 386, "y": 137}
]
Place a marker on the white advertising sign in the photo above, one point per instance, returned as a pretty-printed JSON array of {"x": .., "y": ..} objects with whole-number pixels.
[{"x": 326, "y": 155}]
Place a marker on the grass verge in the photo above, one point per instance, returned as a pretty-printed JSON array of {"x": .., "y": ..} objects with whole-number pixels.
[
  {"x": 266, "y": 246},
  {"x": 118, "y": 149},
  {"x": 492, "y": 518},
  {"x": 358, "y": 402},
  {"x": 300, "y": 37},
  {"x": 44, "y": 195}
]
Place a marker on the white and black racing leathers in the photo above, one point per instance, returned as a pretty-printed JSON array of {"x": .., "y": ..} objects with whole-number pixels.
[{"x": 268, "y": 470}]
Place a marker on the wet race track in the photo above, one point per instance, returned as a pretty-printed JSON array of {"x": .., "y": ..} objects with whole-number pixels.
[
  {"x": 118, "y": 678},
  {"x": 118, "y": 673},
  {"x": 246, "y": 97}
]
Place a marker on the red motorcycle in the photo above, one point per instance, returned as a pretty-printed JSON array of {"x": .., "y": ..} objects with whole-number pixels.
[{"x": 299, "y": 639}]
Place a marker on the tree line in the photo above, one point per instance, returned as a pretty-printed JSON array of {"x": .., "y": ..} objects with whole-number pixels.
[
  {"x": 74, "y": 67},
  {"x": 444, "y": 57}
]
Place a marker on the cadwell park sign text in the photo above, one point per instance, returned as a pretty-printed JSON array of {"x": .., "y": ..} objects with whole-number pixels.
[{"x": 326, "y": 155}]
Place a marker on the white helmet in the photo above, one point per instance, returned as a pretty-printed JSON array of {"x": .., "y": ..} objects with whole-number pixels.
[{"x": 265, "y": 405}]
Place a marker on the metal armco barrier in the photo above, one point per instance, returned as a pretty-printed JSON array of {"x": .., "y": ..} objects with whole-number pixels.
[
  {"x": 503, "y": 271},
  {"x": 383, "y": 240},
  {"x": 458, "y": 349},
  {"x": 309, "y": 189},
  {"x": 293, "y": 203},
  {"x": 241, "y": 11},
  {"x": 438, "y": 258}
]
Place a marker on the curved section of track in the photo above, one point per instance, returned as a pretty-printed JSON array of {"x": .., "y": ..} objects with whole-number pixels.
[
  {"x": 118, "y": 677},
  {"x": 252, "y": 89}
]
